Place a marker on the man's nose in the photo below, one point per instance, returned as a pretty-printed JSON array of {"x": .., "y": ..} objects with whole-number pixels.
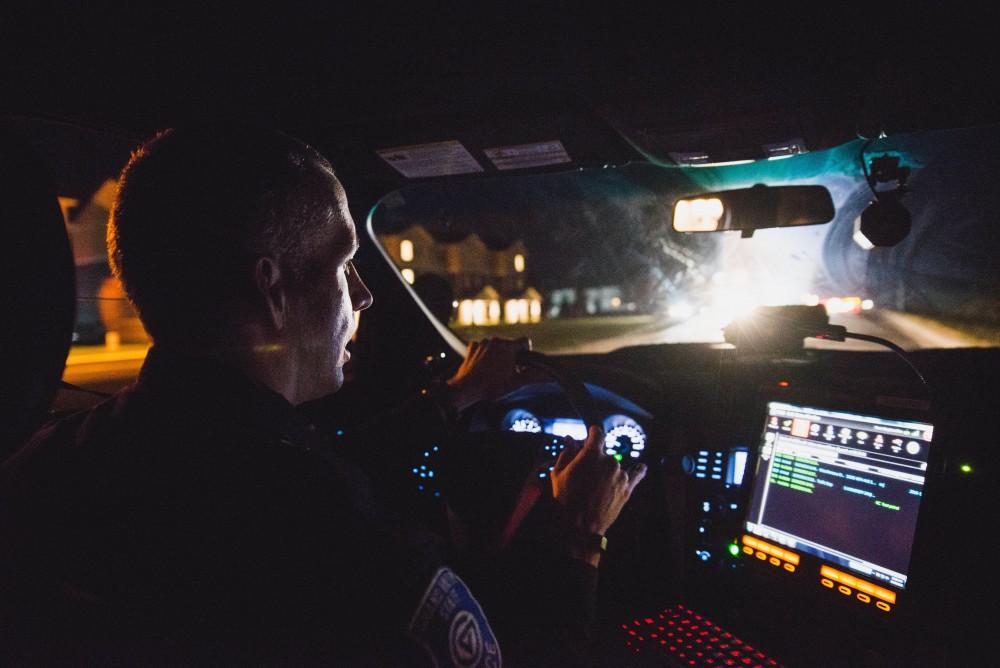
[{"x": 361, "y": 296}]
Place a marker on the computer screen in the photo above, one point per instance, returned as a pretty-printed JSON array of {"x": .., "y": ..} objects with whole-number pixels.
[{"x": 843, "y": 487}]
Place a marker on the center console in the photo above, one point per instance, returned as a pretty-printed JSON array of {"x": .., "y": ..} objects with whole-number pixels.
[{"x": 802, "y": 539}]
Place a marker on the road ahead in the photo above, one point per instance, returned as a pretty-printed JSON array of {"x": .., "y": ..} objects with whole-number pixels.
[
  {"x": 107, "y": 370},
  {"x": 603, "y": 334}
]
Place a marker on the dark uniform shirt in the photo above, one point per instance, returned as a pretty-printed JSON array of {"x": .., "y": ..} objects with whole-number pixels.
[
  {"x": 190, "y": 509},
  {"x": 197, "y": 517}
]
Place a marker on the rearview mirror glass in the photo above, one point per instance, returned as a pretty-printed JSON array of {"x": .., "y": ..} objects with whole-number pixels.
[{"x": 756, "y": 208}]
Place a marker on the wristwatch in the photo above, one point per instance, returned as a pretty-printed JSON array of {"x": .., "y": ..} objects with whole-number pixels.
[
  {"x": 589, "y": 540},
  {"x": 597, "y": 541}
]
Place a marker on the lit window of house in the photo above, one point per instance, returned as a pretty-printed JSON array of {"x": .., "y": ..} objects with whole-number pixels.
[
  {"x": 406, "y": 251},
  {"x": 483, "y": 309},
  {"x": 518, "y": 263},
  {"x": 510, "y": 311},
  {"x": 408, "y": 275},
  {"x": 525, "y": 309}
]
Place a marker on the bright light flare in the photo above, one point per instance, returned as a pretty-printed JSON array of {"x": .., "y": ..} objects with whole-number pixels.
[
  {"x": 737, "y": 298},
  {"x": 734, "y": 305},
  {"x": 680, "y": 310},
  {"x": 837, "y": 305},
  {"x": 698, "y": 215}
]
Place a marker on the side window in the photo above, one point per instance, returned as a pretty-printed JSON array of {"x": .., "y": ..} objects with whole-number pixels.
[{"x": 109, "y": 343}]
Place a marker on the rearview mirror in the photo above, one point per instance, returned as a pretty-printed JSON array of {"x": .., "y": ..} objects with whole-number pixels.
[{"x": 756, "y": 208}]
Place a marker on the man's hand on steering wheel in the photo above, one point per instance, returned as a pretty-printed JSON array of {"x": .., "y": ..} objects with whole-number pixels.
[
  {"x": 588, "y": 485},
  {"x": 592, "y": 489},
  {"x": 488, "y": 371}
]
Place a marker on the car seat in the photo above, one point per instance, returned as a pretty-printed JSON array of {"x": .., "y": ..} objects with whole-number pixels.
[{"x": 38, "y": 297}]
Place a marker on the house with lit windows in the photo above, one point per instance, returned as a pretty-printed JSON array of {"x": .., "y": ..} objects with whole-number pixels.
[{"x": 487, "y": 286}]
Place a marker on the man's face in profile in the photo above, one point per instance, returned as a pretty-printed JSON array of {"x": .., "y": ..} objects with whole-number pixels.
[{"x": 322, "y": 309}]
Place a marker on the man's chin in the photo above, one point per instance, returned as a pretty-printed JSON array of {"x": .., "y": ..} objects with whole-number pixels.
[
  {"x": 323, "y": 387},
  {"x": 337, "y": 381}
]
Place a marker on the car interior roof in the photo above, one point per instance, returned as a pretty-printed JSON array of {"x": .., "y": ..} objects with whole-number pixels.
[{"x": 613, "y": 84}]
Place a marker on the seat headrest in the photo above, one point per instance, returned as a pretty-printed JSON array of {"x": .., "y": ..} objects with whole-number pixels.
[{"x": 37, "y": 293}]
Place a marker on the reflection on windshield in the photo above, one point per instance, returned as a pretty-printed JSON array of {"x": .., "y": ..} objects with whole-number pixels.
[{"x": 586, "y": 261}]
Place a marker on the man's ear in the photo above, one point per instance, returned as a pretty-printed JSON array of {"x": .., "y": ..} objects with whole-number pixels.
[{"x": 270, "y": 286}]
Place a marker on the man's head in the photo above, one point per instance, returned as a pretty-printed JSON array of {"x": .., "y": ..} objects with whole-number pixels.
[{"x": 237, "y": 240}]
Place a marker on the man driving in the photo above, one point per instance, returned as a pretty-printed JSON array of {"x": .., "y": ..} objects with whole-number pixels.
[{"x": 198, "y": 516}]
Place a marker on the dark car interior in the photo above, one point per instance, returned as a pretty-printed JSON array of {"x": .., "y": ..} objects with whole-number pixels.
[{"x": 810, "y": 501}]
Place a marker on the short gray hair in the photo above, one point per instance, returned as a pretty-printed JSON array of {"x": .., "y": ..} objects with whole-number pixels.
[{"x": 195, "y": 207}]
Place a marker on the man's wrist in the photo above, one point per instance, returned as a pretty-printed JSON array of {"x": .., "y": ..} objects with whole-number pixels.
[
  {"x": 586, "y": 554},
  {"x": 580, "y": 543}
]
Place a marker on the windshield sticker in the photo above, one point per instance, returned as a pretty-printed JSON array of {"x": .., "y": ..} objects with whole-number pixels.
[
  {"x": 452, "y": 627},
  {"x": 528, "y": 155},
  {"x": 444, "y": 158}
]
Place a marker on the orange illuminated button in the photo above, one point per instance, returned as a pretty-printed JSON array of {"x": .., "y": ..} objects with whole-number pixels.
[
  {"x": 747, "y": 549},
  {"x": 864, "y": 598},
  {"x": 858, "y": 583},
  {"x": 881, "y": 605},
  {"x": 772, "y": 550},
  {"x": 846, "y": 591},
  {"x": 774, "y": 561},
  {"x": 789, "y": 567},
  {"x": 826, "y": 583},
  {"x": 760, "y": 555}
]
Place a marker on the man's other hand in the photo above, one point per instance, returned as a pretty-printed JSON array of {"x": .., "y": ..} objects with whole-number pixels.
[{"x": 592, "y": 487}]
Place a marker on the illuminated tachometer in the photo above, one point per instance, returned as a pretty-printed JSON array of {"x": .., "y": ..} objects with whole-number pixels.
[
  {"x": 624, "y": 437},
  {"x": 522, "y": 421}
]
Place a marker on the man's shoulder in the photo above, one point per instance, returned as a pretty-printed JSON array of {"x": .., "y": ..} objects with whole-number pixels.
[
  {"x": 122, "y": 436},
  {"x": 154, "y": 436},
  {"x": 61, "y": 437}
]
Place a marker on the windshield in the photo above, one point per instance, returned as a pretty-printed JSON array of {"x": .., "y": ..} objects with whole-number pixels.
[{"x": 587, "y": 261}]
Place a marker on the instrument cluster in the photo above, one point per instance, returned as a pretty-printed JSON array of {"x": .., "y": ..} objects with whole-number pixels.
[{"x": 624, "y": 438}]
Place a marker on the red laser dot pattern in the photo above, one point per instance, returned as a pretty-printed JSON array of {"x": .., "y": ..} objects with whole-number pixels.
[{"x": 692, "y": 639}]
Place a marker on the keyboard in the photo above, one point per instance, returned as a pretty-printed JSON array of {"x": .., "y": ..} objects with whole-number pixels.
[{"x": 681, "y": 637}]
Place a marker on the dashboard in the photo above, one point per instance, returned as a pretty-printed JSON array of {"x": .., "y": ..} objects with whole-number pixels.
[
  {"x": 542, "y": 408},
  {"x": 624, "y": 437},
  {"x": 823, "y": 507}
]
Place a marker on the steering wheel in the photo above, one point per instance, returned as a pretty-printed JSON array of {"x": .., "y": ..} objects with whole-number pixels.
[
  {"x": 576, "y": 392},
  {"x": 492, "y": 480}
]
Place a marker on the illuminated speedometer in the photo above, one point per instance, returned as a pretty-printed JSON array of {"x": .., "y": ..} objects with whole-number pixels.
[
  {"x": 624, "y": 437},
  {"x": 522, "y": 421}
]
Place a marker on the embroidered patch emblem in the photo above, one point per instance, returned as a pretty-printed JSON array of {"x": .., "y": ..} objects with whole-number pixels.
[
  {"x": 452, "y": 627},
  {"x": 464, "y": 640}
]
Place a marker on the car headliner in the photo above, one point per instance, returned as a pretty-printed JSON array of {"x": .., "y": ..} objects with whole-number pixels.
[{"x": 614, "y": 84}]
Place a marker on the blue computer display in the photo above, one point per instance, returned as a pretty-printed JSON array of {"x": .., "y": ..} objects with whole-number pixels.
[{"x": 841, "y": 486}]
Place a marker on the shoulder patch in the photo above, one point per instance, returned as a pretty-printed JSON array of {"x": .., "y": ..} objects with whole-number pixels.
[{"x": 452, "y": 627}]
